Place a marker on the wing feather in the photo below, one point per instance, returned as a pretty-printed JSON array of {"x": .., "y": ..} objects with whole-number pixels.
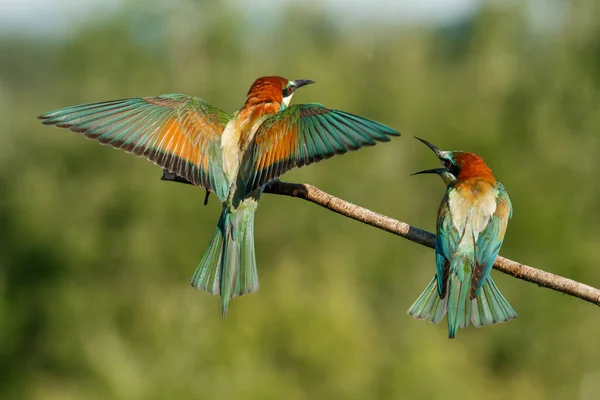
[
  {"x": 307, "y": 133},
  {"x": 490, "y": 240},
  {"x": 180, "y": 133}
]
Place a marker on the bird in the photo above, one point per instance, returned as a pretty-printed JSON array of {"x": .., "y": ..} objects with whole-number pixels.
[
  {"x": 471, "y": 222},
  {"x": 233, "y": 155}
]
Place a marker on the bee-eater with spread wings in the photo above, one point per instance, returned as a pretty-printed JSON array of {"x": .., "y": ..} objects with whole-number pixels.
[
  {"x": 231, "y": 155},
  {"x": 471, "y": 224}
]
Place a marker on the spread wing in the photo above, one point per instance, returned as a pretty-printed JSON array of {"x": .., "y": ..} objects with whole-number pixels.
[
  {"x": 179, "y": 133},
  {"x": 306, "y": 133},
  {"x": 490, "y": 240}
]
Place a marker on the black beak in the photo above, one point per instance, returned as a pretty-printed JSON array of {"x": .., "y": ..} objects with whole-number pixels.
[
  {"x": 437, "y": 151},
  {"x": 438, "y": 171},
  {"x": 301, "y": 82}
]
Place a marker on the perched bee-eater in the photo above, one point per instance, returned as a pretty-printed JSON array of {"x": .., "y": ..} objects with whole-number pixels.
[
  {"x": 471, "y": 223},
  {"x": 232, "y": 155}
]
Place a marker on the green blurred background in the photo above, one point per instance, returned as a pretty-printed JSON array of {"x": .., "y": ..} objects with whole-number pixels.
[{"x": 96, "y": 251}]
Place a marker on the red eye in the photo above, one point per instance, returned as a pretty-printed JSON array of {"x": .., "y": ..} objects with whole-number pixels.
[
  {"x": 447, "y": 164},
  {"x": 288, "y": 90}
]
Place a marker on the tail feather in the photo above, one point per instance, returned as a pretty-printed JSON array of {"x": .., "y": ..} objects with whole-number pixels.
[
  {"x": 247, "y": 281},
  {"x": 228, "y": 267},
  {"x": 459, "y": 311},
  {"x": 230, "y": 271},
  {"x": 429, "y": 305},
  {"x": 477, "y": 312},
  {"x": 489, "y": 307},
  {"x": 207, "y": 276}
]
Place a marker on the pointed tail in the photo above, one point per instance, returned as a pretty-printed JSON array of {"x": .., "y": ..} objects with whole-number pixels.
[
  {"x": 489, "y": 307},
  {"x": 228, "y": 267},
  {"x": 429, "y": 305}
]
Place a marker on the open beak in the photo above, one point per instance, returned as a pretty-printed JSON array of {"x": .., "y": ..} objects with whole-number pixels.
[
  {"x": 438, "y": 171},
  {"x": 301, "y": 82},
  {"x": 437, "y": 151},
  {"x": 446, "y": 176}
]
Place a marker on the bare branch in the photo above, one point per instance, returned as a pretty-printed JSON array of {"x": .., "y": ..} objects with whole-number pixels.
[{"x": 425, "y": 238}]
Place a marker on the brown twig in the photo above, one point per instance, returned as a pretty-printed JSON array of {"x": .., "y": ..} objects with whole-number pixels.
[{"x": 425, "y": 238}]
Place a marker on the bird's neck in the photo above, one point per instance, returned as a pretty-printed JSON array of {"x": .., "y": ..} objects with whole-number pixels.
[
  {"x": 259, "y": 104},
  {"x": 471, "y": 166},
  {"x": 476, "y": 172},
  {"x": 474, "y": 182}
]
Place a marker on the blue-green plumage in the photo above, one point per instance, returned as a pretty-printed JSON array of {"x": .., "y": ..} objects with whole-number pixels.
[
  {"x": 231, "y": 155},
  {"x": 472, "y": 220},
  {"x": 166, "y": 130},
  {"x": 228, "y": 267},
  {"x": 307, "y": 133}
]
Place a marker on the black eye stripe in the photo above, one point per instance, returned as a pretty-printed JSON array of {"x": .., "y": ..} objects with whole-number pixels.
[
  {"x": 450, "y": 167},
  {"x": 288, "y": 90}
]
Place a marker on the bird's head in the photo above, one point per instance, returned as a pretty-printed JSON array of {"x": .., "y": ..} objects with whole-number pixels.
[
  {"x": 457, "y": 165},
  {"x": 274, "y": 89}
]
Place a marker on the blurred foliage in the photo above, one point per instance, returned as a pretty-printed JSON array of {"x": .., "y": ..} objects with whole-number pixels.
[{"x": 96, "y": 251}]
